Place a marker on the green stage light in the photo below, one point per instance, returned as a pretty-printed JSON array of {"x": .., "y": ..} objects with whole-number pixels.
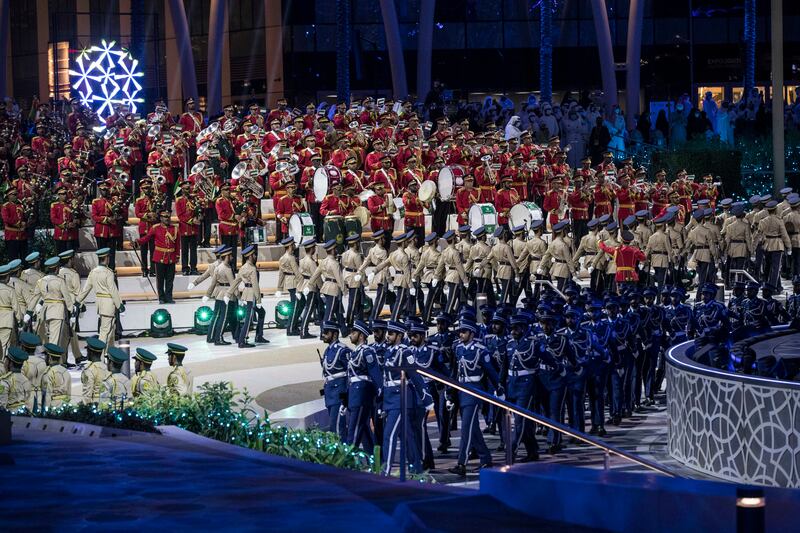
[
  {"x": 241, "y": 312},
  {"x": 283, "y": 312},
  {"x": 161, "y": 324},
  {"x": 366, "y": 303},
  {"x": 202, "y": 320}
]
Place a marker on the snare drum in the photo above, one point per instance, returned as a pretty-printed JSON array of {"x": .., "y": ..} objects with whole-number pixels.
[
  {"x": 450, "y": 178},
  {"x": 323, "y": 177},
  {"x": 333, "y": 229},
  {"x": 301, "y": 228},
  {"x": 399, "y": 208},
  {"x": 352, "y": 226},
  {"x": 523, "y": 214},
  {"x": 482, "y": 215},
  {"x": 257, "y": 234}
]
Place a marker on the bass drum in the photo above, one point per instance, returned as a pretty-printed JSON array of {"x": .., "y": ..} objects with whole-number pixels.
[
  {"x": 301, "y": 228},
  {"x": 257, "y": 234},
  {"x": 324, "y": 178},
  {"x": 523, "y": 214},
  {"x": 482, "y": 215},
  {"x": 450, "y": 178},
  {"x": 333, "y": 229}
]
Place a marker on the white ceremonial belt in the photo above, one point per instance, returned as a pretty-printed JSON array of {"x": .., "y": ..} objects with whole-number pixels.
[
  {"x": 471, "y": 379},
  {"x": 335, "y": 376},
  {"x": 393, "y": 383},
  {"x": 358, "y": 378},
  {"x": 517, "y": 373}
]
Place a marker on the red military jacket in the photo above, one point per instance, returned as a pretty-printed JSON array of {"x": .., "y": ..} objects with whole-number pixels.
[
  {"x": 578, "y": 206},
  {"x": 41, "y": 145},
  {"x": 350, "y": 203},
  {"x": 414, "y": 216},
  {"x": 518, "y": 181},
  {"x": 187, "y": 224},
  {"x": 625, "y": 197},
  {"x": 193, "y": 123},
  {"x": 506, "y": 199},
  {"x": 332, "y": 205},
  {"x": 307, "y": 184},
  {"x": 61, "y": 215},
  {"x": 464, "y": 200},
  {"x": 12, "y": 214},
  {"x": 166, "y": 239},
  {"x": 101, "y": 216},
  {"x": 286, "y": 207},
  {"x": 551, "y": 204},
  {"x": 487, "y": 187},
  {"x": 388, "y": 178},
  {"x": 228, "y": 225},
  {"x": 603, "y": 196},
  {"x": 141, "y": 208},
  {"x": 626, "y": 258},
  {"x": 379, "y": 218},
  {"x": 277, "y": 182}
]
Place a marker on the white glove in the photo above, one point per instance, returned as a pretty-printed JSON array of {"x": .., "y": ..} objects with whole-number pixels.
[
  {"x": 501, "y": 396},
  {"x": 449, "y": 405},
  {"x": 190, "y": 286},
  {"x": 370, "y": 277},
  {"x": 590, "y": 269},
  {"x": 357, "y": 278},
  {"x": 753, "y": 258},
  {"x": 789, "y": 252},
  {"x": 258, "y": 305},
  {"x": 412, "y": 291},
  {"x": 434, "y": 283},
  {"x": 517, "y": 279},
  {"x": 342, "y": 410},
  {"x": 476, "y": 272},
  {"x": 429, "y": 407},
  {"x": 226, "y": 299},
  {"x": 37, "y": 309},
  {"x": 26, "y": 318},
  {"x": 306, "y": 291},
  {"x": 652, "y": 271},
  {"x": 242, "y": 287},
  {"x": 205, "y": 298},
  {"x": 538, "y": 271},
  {"x": 278, "y": 294}
]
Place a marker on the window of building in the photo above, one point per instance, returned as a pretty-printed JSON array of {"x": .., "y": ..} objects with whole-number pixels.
[{"x": 58, "y": 69}]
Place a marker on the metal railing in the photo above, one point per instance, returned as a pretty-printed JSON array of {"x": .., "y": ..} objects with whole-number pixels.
[
  {"x": 510, "y": 409},
  {"x": 745, "y": 272}
]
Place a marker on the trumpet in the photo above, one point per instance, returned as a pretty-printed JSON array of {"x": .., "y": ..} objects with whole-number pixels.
[{"x": 126, "y": 151}]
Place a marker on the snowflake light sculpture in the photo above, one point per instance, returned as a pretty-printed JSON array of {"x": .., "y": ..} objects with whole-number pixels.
[{"x": 105, "y": 75}]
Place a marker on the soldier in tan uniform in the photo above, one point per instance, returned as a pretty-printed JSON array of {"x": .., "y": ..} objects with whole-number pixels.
[
  {"x": 557, "y": 260},
  {"x": 220, "y": 283},
  {"x": 250, "y": 297},
  {"x": 72, "y": 280},
  {"x": 56, "y": 387},
  {"x": 15, "y": 389},
  {"x": 481, "y": 276},
  {"x": 108, "y": 302},
  {"x": 180, "y": 380},
  {"x": 117, "y": 386},
  {"x": 659, "y": 251},
  {"x": 774, "y": 238},
  {"x": 95, "y": 373},
  {"x": 518, "y": 245},
  {"x": 35, "y": 365},
  {"x": 702, "y": 243},
  {"x": 143, "y": 381},
  {"x": 464, "y": 242},
  {"x": 351, "y": 261},
  {"x": 398, "y": 260},
  {"x": 503, "y": 264},
  {"x": 425, "y": 274},
  {"x": 531, "y": 258},
  {"x": 376, "y": 255},
  {"x": 642, "y": 230},
  {"x": 53, "y": 302},
  {"x": 309, "y": 293},
  {"x": 288, "y": 279},
  {"x": 451, "y": 270},
  {"x": 588, "y": 247},
  {"x": 418, "y": 299},
  {"x": 9, "y": 312},
  {"x": 738, "y": 241},
  {"x": 757, "y": 213},
  {"x": 23, "y": 291},
  {"x": 791, "y": 219},
  {"x": 329, "y": 272},
  {"x": 30, "y": 276},
  {"x": 603, "y": 261}
]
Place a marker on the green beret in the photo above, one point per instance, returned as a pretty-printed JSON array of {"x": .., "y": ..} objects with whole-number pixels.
[
  {"x": 15, "y": 353},
  {"x": 117, "y": 354},
  {"x": 144, "y": 355},
  {"x": 29, "y": 340}
]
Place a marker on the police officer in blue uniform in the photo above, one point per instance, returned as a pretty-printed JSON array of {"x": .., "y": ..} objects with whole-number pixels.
[
  {"x": 776, "y": 313},
  {"x": 679, "y": 317},
  {"x": 379, "y": 345},
  {"x": 584, "y": 345},
  {"x": 334, "y": 374},
  {"x": 711, "y": 325},
  {"x": 620, "y": 350},
  {"x": 397, "y": 356},
  {"x": 755, "y": 318},
  {"x": 633, "y": 363},
  {"x": 653, "y": 349},
  {"x": 521, "y": 377},
  {"x": 496, "y": 341},
  {"x": 364, "y": 378},
  {"x": 599, "y": 367},
  {"x": 424, "y": 358},
  {"x": 473, "y": 366},
  {"x": 793, "y": 303},
  {"x": 441, "y": 344}
]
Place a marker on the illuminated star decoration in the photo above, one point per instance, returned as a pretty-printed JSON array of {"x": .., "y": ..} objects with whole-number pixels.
[{"x": 105, "y": 75}]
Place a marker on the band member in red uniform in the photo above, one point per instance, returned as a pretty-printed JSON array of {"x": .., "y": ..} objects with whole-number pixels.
[
  {"x": 165, "y": 236},
  {"x": 192, "y": 122},
  {"x": 412, "y": 172},
  {"x": 280, "y": 113},
  {"x": 273, "y": 136},
  {"x": 65, "y": 223},
  {"x": 352, "y": 174},
  {"x": 287, "y": 206},
  {"x": 189, "y": 215},
  {"x": 603, "y": 197},
  {"x": 372, "y": 161},
  {"x": 229, "y": 221},
  {"x": 627, "y": 258},
  {"x": 578, "y": 201},
  {"x": 486, "y": 180},
  {"x": 332, "y": 204},
  {"x": 414, "y": 214},
  {"x": 14, "y": 225},
  {"x": 104, "y": 223},
  {"x": 555, "y": 201},
  {"x": 308, "y": 151},
  {"x": 466, "y": 198},
  {"x": 379, "y": 214},
  {"x": 507, "y": 197},
  {"x": 625, "y": 197},
  {"x": 387, "y": 175},
  {"x": 147, "y": 213}
]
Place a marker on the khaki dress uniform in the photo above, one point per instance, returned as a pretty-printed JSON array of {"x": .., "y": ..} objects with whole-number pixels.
[
  {"x": 9, "y": 318},
  {"x": 73, "y": 282},
  {"x": 15, "y": 391},
  {"x": 451, "y": 269},
  {"x": 308, "y": 265},
  {"x": 659, "y": 254},
  {"x": 56, "y": 386},
  {"x": 557, "y": 261},
  {"x": 117, "y": 389},
  {"x": 93, "y": 380},
  {"x": 401, "y": 281},
  {"x": 101, "y": 280},
  {"x": 180, "y": 381},
  {"x": 425, "y": 274},
  {"x": 143, "y": 382},
  {"x": 288, "y": 279},
  {"x": 51, "y": 292},
  {"x": 376, "y": 255},
  {"x": 351, "y": 261},
  {"x": 502, "y": 261},
  {"x": 329, "y": 272}
]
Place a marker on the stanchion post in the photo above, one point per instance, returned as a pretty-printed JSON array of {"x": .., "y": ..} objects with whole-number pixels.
[{"x": 509, "y": 439}]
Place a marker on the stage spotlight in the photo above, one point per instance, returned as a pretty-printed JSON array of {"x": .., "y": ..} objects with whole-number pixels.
[
  {"x": 202, "y": 320},
  {"x": 283, "y": 312},
  {"x": 160, "y": 324},
  {"x": 366, "y": 303},
  {"x": 241, "y": 312}
]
